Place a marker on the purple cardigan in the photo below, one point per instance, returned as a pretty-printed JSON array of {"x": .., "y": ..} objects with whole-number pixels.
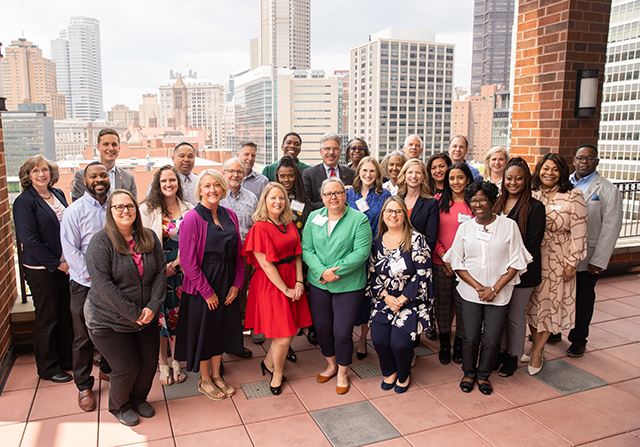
[{"x": 193, "y": 235}]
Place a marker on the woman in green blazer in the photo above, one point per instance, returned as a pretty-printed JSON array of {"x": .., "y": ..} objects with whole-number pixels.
[{"x": 336, "y": 243}]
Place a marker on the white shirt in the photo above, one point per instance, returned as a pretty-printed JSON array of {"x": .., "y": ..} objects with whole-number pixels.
[{"x": 389, "y": 187}]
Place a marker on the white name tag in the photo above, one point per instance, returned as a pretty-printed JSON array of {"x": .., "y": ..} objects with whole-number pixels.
[
  {"x": 320, "y": 220},
  {"x": 297, "y": 206},
  {"x": 483, "y": 236},
  {"x": 362, "y": 204},
  {"x": 462, "y": 218},
  {"x": 555, "y": 207},
  {"x": 397, "y": 266}
]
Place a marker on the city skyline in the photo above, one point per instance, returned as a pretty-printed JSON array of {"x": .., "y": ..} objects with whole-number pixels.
[{"x": 138, "y": 40}]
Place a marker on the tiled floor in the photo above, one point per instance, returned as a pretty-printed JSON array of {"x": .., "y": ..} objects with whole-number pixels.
[{"x": 593, "y": 400}]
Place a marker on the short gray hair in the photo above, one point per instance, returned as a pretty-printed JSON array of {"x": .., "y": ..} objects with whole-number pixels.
[
  {"x": 412, "y": 135},
  {"x": 331, "y": 136},
  {"x": 230, "y": 160},
  {"x": 331, "y": 180}
]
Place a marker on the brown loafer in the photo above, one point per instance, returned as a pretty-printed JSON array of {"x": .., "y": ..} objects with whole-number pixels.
[
  {"x": 86, "y": 401},
  {"x": 343, "y": 389},
  {"x": 325, "y": 379}
]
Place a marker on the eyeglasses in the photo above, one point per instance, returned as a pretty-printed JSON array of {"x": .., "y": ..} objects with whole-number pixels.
[
  {"x": 389, "y": 212},
  {"x": 581, "y": 158},
  {"x": 337, "y": 194},
  {"x": 356, "y": 149},
  {"x": 120, "y": 208},
  {"x": 234, "y": 172},
  {"x": 39, "y": 171},
  {"x": 478, "y": 201},
  {"x": 331, "y": 149}
]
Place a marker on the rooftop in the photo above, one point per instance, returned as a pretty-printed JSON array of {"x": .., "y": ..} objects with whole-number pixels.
[{"x": 593, "y": 400}]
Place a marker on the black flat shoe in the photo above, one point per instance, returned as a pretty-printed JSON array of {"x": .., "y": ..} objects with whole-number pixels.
[
  {"x": 245, "y": 354},
  {"x": 457, "y": 351},
  {"x": 555, "y": 338},
  {"x": 466, "y": 385},
  {"x": 291, "y": 355},
  {"x": 61, "y": 377},
  {"x": 312, "y": 336},
  {"x": 485, "y": 387},
  {"x": 576, "y": 350},
  {"x": 431, "y": 334}
]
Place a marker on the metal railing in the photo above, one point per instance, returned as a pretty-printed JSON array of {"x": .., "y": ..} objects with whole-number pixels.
[{"x": 630, "y": 208}]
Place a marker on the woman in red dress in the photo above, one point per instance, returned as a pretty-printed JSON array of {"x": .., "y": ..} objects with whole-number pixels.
[{"x": 276, "y": 305}]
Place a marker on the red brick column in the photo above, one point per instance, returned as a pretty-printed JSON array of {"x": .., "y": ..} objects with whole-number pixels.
[{"x": 555, "y": 38}]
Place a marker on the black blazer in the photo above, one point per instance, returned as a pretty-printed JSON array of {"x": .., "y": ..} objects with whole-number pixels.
[
  {"x": 315, "y": 175},
  {"x": 425, "y": 219},
  {"x": 536, "y": 223},
  {"x": 38, "y": 228}
]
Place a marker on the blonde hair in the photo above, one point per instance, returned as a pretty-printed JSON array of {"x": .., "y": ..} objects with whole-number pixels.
[
  {"x": 492, "y": 151},
  {"x": 407, "y": 229},
  {"x": 216, "y": 175},
  {"x": 262, "y": 214},
  {"x": 402, "y": 182},
  {"x": 357, "y": 182},
  {"x": 30, "y": 164}
]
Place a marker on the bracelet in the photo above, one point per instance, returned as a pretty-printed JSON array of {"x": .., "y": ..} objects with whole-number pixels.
[
  {"x": 300, "y": 282},
  {"x": 567, "y": 266},
  {"x": 494, "y": 292}
]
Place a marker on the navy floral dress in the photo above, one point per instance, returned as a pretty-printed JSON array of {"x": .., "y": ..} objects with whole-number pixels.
[
  {"x": 414, "y": 282},
  {"x": 168, "y": 317}
]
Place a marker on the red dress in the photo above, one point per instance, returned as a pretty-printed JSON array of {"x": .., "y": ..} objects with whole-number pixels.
[{"x": 269, "y": 311}]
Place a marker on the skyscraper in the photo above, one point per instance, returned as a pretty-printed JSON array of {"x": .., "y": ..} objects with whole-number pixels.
[
  {"x": 285, "y": 34},
  {"x": 491, "y": 60},
  {"x": 79, "y": 67},
  {"x": 30, "y": 78}
]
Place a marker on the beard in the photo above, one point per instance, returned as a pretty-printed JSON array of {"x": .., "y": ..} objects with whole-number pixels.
[{"x": 92, "y": 190}]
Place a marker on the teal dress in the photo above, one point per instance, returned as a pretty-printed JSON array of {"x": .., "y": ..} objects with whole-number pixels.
[{"x": 168, "y": 318}]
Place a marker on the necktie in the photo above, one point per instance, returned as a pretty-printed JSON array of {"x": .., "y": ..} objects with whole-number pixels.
[{"x": 332, "y": 172}]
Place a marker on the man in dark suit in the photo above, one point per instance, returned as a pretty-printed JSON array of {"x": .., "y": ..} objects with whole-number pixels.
[
  {"x": 330, "y": 150},
  {"x": 109, "y": 148}
]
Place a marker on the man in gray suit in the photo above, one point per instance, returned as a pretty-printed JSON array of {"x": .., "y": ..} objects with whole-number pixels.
[
  {"x": 109, "y": 148},
  {"x": 604, "y": 204}
]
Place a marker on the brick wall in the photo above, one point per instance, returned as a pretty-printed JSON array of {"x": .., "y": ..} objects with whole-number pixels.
[
  {"x": 555, "y": 38},
  {"x": 7, "y": 266}
]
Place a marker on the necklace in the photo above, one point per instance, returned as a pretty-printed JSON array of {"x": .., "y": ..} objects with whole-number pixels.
[
  {"x": 279, "y": 229},
  {"x": 493, "y": 218},
  {"x": 46, "y": 198}
]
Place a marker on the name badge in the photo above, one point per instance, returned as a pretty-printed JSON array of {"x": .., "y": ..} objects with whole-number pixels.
[
  {"x": 320, "y": 220},
  {"x": 483, "y": 236},
  {"x": 462, "y": 218},
  {"x": 555, "y": 207},
  {"x": 297, "y": 206},
  {"x": 362, "y": 205},
  {"x": 397, "y": 266}
]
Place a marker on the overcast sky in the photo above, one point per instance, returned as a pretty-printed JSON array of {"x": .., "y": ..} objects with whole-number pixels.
[{"x": 142, "y": 40}]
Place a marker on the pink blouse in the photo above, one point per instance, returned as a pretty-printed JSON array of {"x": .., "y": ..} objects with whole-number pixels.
[{"x": 137, "y": 257}]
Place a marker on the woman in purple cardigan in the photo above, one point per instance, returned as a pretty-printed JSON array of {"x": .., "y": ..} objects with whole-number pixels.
[{"x": 209, "y": 323}]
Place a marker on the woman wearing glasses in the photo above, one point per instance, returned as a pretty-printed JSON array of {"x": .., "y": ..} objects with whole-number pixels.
[
  {"x": 336, "y": 243},
  {"x": 357, "y": 149},
  {"x": 400, "y": 288},
  {"x": 127, "y": 267}
]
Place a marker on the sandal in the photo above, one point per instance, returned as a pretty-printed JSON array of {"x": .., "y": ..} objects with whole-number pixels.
[
  {"x": 165, "y": 375},
  {"x": 178, "y": 375},
  {"x": 213, "y": 395},
  {"x": 225, "y": 388}
]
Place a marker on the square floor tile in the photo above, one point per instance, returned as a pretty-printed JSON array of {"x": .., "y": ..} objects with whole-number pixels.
[
  {"x": 522, "y": 389},
  {"x": 25, "y": 359},
  {"x": 11, "y": 435},
  {"x": 618, "y": 308},
  {"x": 429, "y": 372},
  {"x": 113, "y": 433},
  {"x": 56, "y": 401},
  {"x": 15, "y": 406},
  {"x": 610, "y": 291},
  {"x": 299, "y": 430},
  {"x": 613, "y": 404},
  {"x": 631, "y": 300},
  {"x": 629, "y": 353},
  {"x": 467, "y": 405},
  {"x": 196, "y": 414},
  {"x": 316, "y": 396},
  {"x": 630, "y": 386},
  {"x": 188, "y": 388},
  {"x": 609, "y": 368},
  {"x": 63, "y": 431},
  {"x": 224, "y": 437},
  {"x": 624, "y": 440},
  {"x": 623, "y": 328},
  {"x": 450, "y": 435},
  {"x": 21, "y": 377},
  {"x": 354, "y": 425},
  {"x": 272, "y": 407},
  {"x": 566, "y": 378},
  {"x": 601, "y": 339},
  {"x": 583, "y": 426}
]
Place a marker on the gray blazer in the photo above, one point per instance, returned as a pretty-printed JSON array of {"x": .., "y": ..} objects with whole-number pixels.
[
  {"x": 118, "y": 295},
  {"x": 314, "y": 176},
  {"x": 604, "y": 204},
  {"x": 124, "y": 180}
]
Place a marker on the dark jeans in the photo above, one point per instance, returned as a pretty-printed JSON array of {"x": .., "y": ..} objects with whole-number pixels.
[
  {"x": 53, "y": 331},
  {"x": 483, "y": 323},
  {"x": 133, "y": 357},
  {"x": 585, "y": 300},
  {"x": 394, "y": 348},
  {"x": 333, "y": 316},
  {"x": 82, "y": 345}
]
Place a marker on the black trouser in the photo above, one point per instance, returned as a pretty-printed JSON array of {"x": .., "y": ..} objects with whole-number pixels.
[
  {"x": 585, "y": 300},
  {"x": 133, "y": 357},
  {"x": 53, "y": 331}
]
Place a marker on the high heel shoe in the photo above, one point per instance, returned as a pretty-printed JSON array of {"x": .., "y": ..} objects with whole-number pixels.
[
  {"x": 362, "y": 355},
  {"x": 291, "y": 355},
  {"x": 276, "y": 390},
  {"x": 535, "y": 370},
  {"x": 264, "y": 369}
]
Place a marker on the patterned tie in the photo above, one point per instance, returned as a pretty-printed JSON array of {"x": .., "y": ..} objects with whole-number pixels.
[{"x": 332, "y": 172}]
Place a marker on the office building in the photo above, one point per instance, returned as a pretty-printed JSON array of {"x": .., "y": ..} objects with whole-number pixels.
[
  {"x": 401, "y": 83},
  {"x": 123, "y": 115},
  {"x": 501, "y": 135},
  {"x": 473, "y": 118},
  {"x": 149, "y": 110},
  {"x": 30, "y": 78},
  {"x": 619, "y": 142},
  {"x": 284, "y": 39},
  {"x": 27, "y": 132},
  {"x": 492, "y": 29},
  {"x": 79, "y": 68}
]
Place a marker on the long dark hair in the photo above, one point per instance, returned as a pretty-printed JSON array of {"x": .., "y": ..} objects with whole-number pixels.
[
  {"x": 446, "y": 199},
  {"x": 523, "y": 205},
  {"x": 299, "y": 192},
  {"x": 155, "y": 199},
  {"x": 564, "y": 184},
  {"x": 430, "y": 181},
  {"x": 145, "y": 242}
]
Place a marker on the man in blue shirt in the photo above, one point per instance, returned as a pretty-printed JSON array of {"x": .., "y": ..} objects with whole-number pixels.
[
  {"x": 458, "y": 148},
  {"x": 82, "y": 219},
  {"x": 253, "y": 181}
]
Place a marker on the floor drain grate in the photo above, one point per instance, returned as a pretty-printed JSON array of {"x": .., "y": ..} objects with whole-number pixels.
[
  {"x": 366, "y": 370},
  {"x": 255, "y": 390}
]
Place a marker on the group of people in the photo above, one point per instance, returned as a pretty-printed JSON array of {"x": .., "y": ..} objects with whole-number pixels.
[{"x": 397, "y": 248}]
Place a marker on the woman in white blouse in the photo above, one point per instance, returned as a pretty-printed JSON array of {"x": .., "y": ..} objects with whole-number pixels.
[{"x": 488, "y": 256}]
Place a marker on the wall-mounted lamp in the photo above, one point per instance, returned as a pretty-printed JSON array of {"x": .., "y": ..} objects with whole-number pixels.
[{"x": 586, "y": 93}]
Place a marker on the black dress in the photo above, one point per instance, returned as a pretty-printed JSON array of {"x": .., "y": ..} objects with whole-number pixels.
[{"x": 204, "y": 333}]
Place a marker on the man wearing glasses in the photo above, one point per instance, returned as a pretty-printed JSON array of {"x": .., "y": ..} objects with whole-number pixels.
[
  {"x": 604, "y": 204},
  {"x": 330, "y": 150}
]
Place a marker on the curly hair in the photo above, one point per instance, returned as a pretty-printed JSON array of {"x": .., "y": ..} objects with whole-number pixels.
[
  {"x": 564, "y": 183},
  {"x": 155, "y": 199},
  {"x": 30, "y": 164},
  {"x": 489, "y": 189},
  {"x": 523, "y": 205},
  {"x": 299, "y": 192}
]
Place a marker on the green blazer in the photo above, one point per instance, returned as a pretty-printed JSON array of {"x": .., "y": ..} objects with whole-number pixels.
[
  {"x": 348, "y": 247},
  {"x": 269, "y": 171}
]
